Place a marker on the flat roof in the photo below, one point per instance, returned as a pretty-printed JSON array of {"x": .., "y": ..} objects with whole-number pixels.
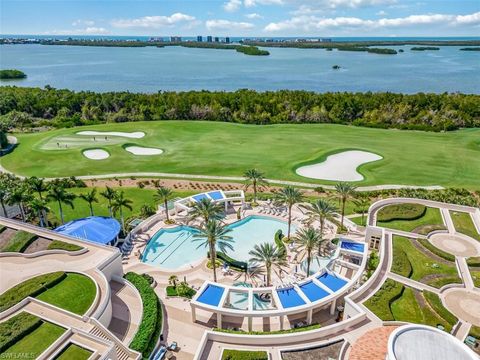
[{"x": 98, "y": 229}]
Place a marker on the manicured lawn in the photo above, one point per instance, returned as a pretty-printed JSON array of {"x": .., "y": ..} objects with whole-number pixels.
[
  {"x": 75, "y": 293},
  {"x": 358, "y": 220},
  {"x": 244, "y": 355},
  {"x": 62, "y": 245},
  {"x": 412, "y": 263},
  {"x": 476, "y": 278},
  {"x": 395, "y": 302},
  {"x": 211, "y": 148},
  {"x": 138, "y": 196},
  {"x": 34, "y": 343},
  {"x": 431, "y": 220},
  {"x": 17, "y": 327},
  {"x": 74, "y": 352},
  {"x": 186, "y": 292},
  {"x": 464, "y": 224},
  {"x": 19, "y": 242}
]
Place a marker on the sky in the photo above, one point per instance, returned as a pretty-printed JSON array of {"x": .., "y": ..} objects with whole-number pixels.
[{"x": 266, "y": 18}]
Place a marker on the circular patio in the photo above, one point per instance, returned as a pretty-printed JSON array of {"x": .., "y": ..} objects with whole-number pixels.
[
  {"x": 465, "y": 304},
  {"x": 456, "y": 244}
]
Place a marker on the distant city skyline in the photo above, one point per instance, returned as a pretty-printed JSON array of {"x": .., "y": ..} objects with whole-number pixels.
[{"x": 238, "y": 18}]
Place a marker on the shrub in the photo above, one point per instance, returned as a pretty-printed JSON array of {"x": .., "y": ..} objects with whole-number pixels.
[
  {"x": 279, "y": 237},
  {"x": 182, "y": 290},
  {"x": 380, "y": 302},
  {"x": 31, "y": 287},
  {"x": 401, "y": 212},
  {"x": 273, "y": 332},
  {"x": 17, "y": 327},
  {"x": 400, "y": 263},
  {"x": 20, "y": 242},
  {"x": 236, "y": 264},
  {"x": 473, "y": 261},
  {"x": 151, "y": 314},
  {"x": 444, "y": 255},
  {"x": 62, "y": 245},
  {"x": 244, "y": 355}
]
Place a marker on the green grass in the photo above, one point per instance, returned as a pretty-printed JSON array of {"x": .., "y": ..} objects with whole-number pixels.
[
  {"x": 62, "y": 245},
  {"x": 411, "y": 263},
  {"x": 34, "y": 343},
  {"x": 74, "y": 352},
  {"x": 395, "y": 302},
  {"x": 75, "y": 293},
  {"x": 210, "y": 148},
  {"x": 431, "y": 220},
  {"x": 81, "y": 209},
  {"x": 433, "y": 249},
  {"x": 30, "y": 287},
  {"x": 188, "y": 292},
  {"x": 19, "y": 242},
  {"x": 401, "y": 212},
  {"x": 358, "y": 220},
  {"x": 17, "y": 327},
  {"x": 273, "y": 332},
  {"x": 476, "y": 278},
  {"x": 229, "y": 354},
  {"x": 464, "y": 224}
]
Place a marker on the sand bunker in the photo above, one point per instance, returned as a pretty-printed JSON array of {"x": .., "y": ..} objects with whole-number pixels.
[
  {"x": 131, "y": 135},
  {"x": 139, "y": 150},
  {"x": 96, "y": 154},
  {"x": 339, "y": 167}
]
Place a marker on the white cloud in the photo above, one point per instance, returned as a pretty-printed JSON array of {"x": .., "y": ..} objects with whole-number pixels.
[
  {"x": 80, "y": 22},
  {"x": 254, "y": 16},
  {"x": 381, "y": 13},
  {"x": 84, "y": 31},
  {"x": 227, "y": 25},
  {"x": 232, "y": 5},
  {"x": 356, "y": 3},
  {"x": 311, "y": 23},
  {"x": 252, "y": 3},
  {"x": 153, "y": 22}
]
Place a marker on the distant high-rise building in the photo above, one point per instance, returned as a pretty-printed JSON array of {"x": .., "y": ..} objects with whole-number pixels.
[
  {"x": 209, "y": 38},
  {"x": 216, "y": 39},
  {"x": 227, "y": 40},
  {"x": 199, "y": 38},
  {"x": 176, "y": 39}
]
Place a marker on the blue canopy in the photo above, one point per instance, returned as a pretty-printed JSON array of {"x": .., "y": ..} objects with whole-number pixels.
[{"x": 99, "y": 229}]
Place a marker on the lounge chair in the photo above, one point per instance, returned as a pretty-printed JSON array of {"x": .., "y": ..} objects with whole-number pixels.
[{"x": 470, "y": 341}]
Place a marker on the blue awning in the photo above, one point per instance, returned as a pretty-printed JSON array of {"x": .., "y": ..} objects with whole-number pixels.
[{"x": 99, "y": 229}]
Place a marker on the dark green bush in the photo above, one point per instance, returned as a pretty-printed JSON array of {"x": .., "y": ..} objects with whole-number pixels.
[
  {"x": 380, "y": 302},
  {"x": 428, "y": 245},
  {"x": 12, "y": 74},
  {"x": 236, "y": 264},
  {"x": 401, "y": 212},
  {"x": 244, "y": 355},
  {"x": 17, "y": 327},
  {"x": 151, "y": 314},
  {"x": 19, "y": 242}
]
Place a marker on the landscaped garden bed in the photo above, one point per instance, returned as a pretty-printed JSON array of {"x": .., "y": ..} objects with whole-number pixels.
[
  {"x": 411, "y": 217},
  {"x": 69, "y": 291},
  {"x": 19, "y": 242},
  {"x": 396, "y": 302},
  {"x": 412, "y": 263},
  {"x": 464, "y": 224},
  {"x": 229, "y": 354},
  {"x": 74, "y": 352},
  {"x": 273, "y": 332}
]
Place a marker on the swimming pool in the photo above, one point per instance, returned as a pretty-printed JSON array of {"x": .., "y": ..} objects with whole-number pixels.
[{"x": 173, "y": 248}]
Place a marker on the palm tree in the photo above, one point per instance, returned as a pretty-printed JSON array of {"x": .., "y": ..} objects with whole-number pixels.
[
  {"x": 289, "y": 196},
  {"x": 362, "y": 205},
  {"x": 59, "y": 194},
  {"x": 270, "y": 256},
  {"x": 251, "y": 272},
  {"x": 38, "y": 185},
  {"x": 207, "y": 210},
  {"x": 40, "y": 207},
  {"x": 213, "y": 234},
  {"x": 309, "y": 240},
  {"x": 345, "y": 191},
  {"x": 172, "y": 280},
  {"x": 110, "y": 195},
  {"x": 120, "y": 202},
  {"x": 90, "y": 198},
  {"x": 322, "y": 210},
  {"x": 20, "y": 196},
  {"x": 163, "y": 194},
  {"x": 254, "y": 178}
]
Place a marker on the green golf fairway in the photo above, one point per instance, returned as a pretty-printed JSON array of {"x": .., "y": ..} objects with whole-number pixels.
[{"x": 224, "y": 149}]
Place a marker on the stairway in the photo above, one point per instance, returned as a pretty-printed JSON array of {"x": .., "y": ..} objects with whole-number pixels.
[{"x": 100, "y": 333}]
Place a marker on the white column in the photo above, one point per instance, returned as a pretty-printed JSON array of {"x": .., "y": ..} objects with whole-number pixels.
[
  {"x": 219, "y": 320},
  {"x": 332, "y": 307},
  {"x": 194, "y": 315},
  {"x": 281, "y": 321},
  {"x": 309, "y": 316},
  {"x": 226, "y": 206},
  {"x": 249, "y": 323}
]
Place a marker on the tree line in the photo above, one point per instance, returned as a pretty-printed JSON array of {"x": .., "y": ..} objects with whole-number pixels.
[{"x": 23, "y": 108}]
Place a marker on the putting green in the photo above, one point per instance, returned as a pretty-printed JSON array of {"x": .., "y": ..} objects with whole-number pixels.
[{"x": 224, "y": 149}]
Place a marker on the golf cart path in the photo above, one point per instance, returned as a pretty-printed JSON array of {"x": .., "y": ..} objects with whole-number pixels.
[{"x": 239, "y": 178}]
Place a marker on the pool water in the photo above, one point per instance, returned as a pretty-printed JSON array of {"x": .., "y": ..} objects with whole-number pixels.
[{"x": 176, "y": 247}]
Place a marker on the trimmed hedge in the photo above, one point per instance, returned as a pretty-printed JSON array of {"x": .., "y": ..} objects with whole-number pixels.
[
  {"x": 19, "y": 242},
  {"x": 400, "y": 263},
  {"x": 279, "y": 241},
  {"x": 401, "y": 212},
  {"x": 152, "y": 315},
  {"x": 433, "y": 249},
  {"x": 473, "y": 261},
  {"x": 380, "y": 302},
  {"x": 236, "y": 264},
  {"x": 436, "y": 304},
  {"x": 229, "y": 354},
  {"x": 31, "y": 287},
  {"x": 274, "y": 332},
  {"x": 177, "y": 291},
  {"x": 61, "y": 245},
  {"x": 16, "y": 328}
]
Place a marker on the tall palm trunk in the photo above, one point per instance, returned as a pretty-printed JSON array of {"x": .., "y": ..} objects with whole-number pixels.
[
  {"x": 40, "y": 217},
  {"x": 254, "y": 191},
  {"x": 91, "y": 208},
  {"x": 269, "y": 274},
  {"x": 123, "y": 220},
  {"x": 289, "y": 220},
  {"x": 22, "y": 211},
  {"x": 3, "y": 208},
  {"x": 309, "y": 259},
  {"x": 61, "y": 212},
  {"x": 343, "y": 212},
  {"x": 322, "y": 225},
  {"x": 166, "y": 209},
  {"x": 110, "y": 207},
  {"x": 213, "y": 258}
]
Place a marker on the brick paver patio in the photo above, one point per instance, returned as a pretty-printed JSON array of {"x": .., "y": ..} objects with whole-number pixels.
[{"x": 372, "y": 345}]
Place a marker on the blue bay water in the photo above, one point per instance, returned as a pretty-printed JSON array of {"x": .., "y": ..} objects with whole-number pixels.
[{"x": 154, "y": 69}]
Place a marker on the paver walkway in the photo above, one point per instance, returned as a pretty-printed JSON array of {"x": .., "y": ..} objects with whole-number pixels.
[{"x": 372, "y": 345}]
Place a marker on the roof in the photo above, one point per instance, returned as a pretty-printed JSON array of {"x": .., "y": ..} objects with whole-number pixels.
[{"x": 98, "y": 229}]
